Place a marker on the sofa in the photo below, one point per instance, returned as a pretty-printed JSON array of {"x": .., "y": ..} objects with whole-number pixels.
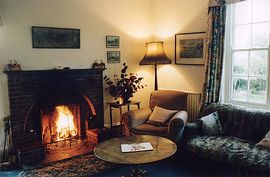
[{"x": 242, "y": 129}]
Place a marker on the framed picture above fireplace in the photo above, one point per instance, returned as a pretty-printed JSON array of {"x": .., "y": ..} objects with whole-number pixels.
[{"x": 51, "y": 37}]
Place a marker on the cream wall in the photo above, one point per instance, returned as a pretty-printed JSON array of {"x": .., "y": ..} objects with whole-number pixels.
[
  {"x": 179, "y": 16},
  {"x": 135, "y": 21},
  {"x": 129, "y": 19}
]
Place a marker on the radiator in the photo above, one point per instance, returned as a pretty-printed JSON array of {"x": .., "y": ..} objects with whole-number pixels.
[{"x": 193, "y": 105}]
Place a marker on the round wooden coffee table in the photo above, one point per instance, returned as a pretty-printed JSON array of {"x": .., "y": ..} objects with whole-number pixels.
[{"x": 110, "y": 151}]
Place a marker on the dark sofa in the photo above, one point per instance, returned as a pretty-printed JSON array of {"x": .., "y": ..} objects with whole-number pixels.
[{"x": 242, "y": 129}]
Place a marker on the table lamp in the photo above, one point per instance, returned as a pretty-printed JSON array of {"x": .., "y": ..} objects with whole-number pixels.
[{"x": 155, "y": 55}]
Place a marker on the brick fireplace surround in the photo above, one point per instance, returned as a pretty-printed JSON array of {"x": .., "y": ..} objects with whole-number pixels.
[{"x": 30, "y": 91}]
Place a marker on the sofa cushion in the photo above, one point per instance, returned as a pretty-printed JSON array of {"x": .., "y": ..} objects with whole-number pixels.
[
  {"x": 161, "y": 114},
  {"x": 157, "y": 123},
  {"x": 150, "y": 129},
  {"x": 211, "y": 124},
  {"x": 265, "y": 142},
  {"x": 241, "y": 122},
  {"x": 230, "y": 150}
]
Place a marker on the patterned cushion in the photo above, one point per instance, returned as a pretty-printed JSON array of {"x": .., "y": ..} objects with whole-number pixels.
[
  {"x": 211, "y": 124},
  {"x": 230, "y": 150}
]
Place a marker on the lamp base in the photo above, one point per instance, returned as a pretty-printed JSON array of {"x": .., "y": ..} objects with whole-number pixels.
[{"x": 156, "y": 82}]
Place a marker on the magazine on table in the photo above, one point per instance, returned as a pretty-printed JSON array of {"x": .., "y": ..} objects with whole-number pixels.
[{"x": 136, "y": 147}]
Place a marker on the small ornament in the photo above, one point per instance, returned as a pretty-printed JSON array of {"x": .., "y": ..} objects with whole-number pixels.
[
  {"x": 13, "y": 66},
  {"x": 100, "y": 65}
]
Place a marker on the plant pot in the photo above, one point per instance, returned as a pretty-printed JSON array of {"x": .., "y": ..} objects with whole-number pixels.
[{"x": 123, "y": 100}]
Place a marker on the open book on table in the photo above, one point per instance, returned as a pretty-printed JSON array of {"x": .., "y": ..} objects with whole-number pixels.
[{"x": 136, "y": 147}]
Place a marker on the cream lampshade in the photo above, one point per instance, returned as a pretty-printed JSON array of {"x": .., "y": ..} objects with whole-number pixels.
[{"x": 155, "y": 55}]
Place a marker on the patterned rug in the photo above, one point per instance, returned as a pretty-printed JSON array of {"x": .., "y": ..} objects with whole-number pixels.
[{"x": 80, "y": 166}]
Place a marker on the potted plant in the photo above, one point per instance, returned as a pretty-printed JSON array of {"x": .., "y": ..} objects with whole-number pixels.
[{"x": 125, "y": 86}]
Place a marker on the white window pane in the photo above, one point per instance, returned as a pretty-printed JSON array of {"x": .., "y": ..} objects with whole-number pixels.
[
  {"x": 258, "y": 62},
  {"x": 241, "y": 36},
  {"x": 250, "y": 40},
  {"x": 260, "y": 35},
  {"x": 240, "y": 89},
  {"x": 240, "y": 63},
  {"x": 257, "y": 90},
  {"x": 242, "y": 12},
  {"x": 261, "y": 10}
]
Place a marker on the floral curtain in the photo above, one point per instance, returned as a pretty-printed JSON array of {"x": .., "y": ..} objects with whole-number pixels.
[{"x": 214, "y": 52}]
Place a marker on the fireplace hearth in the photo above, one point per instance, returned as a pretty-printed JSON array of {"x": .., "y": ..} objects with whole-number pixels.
[{"x": 52, "y": 108}]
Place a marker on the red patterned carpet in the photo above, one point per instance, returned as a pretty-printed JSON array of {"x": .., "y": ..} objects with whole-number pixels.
[{"x": 81, "y": 166}]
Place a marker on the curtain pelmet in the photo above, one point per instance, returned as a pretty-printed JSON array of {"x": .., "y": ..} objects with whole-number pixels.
[
  {"x": 214, "y": 3},
  {"x": 233, "y": 1}
]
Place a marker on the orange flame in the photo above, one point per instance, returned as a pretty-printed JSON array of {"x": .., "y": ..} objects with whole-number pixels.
[{"x": 65, "y": 125}]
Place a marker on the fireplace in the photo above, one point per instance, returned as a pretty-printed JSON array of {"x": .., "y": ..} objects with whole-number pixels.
[
  {"x": 51, "y": 108},
  {"x": 60, "y": 124}
]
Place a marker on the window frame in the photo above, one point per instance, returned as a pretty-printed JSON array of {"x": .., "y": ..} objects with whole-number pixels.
[{"x": 228, "y": 62}]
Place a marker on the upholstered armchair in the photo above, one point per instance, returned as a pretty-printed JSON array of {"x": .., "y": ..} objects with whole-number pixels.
[{"x": 137, "y": 121}]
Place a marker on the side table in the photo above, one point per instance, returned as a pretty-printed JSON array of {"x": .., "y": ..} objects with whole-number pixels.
[{"x": 116, "y": 105}]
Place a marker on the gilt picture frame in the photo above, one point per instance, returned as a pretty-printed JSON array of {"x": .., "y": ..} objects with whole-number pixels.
[
  {"x": 190, "y": 48},
  {"x": 55, "y": 38}
]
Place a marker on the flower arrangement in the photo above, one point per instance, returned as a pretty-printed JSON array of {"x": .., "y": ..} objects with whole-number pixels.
[{"x": 125, "y": 86}]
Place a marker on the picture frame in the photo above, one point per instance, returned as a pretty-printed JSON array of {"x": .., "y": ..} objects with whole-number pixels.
[
  {"x": 113, "y": 56},
  {"x": 55, "y": 38},
  {"x": 112, "y": 41},
  {"x": 190, "y": 48}
]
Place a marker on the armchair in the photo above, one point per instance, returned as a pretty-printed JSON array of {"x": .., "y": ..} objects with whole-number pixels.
[{"x": 136, "y": 120}]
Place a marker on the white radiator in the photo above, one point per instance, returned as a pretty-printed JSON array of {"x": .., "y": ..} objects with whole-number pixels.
[{"x": 193, "y": 105}]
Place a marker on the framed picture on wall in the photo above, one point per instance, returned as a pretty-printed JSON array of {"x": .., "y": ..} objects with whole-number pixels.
[
  {"x": 53, "y": 38},
  {"x": 112, "y": 41},
  {"x": 190, "y": 48},
  {"x": 113, "y": 56}
]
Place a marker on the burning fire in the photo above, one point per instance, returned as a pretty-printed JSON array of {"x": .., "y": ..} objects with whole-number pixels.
[{"x": 65, "y": 125}]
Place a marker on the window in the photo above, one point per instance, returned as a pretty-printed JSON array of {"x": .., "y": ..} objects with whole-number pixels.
[{"x": 247, "y": 53}]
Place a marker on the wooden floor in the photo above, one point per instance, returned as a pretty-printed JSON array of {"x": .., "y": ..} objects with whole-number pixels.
[{"x": 64, "y": 150}]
